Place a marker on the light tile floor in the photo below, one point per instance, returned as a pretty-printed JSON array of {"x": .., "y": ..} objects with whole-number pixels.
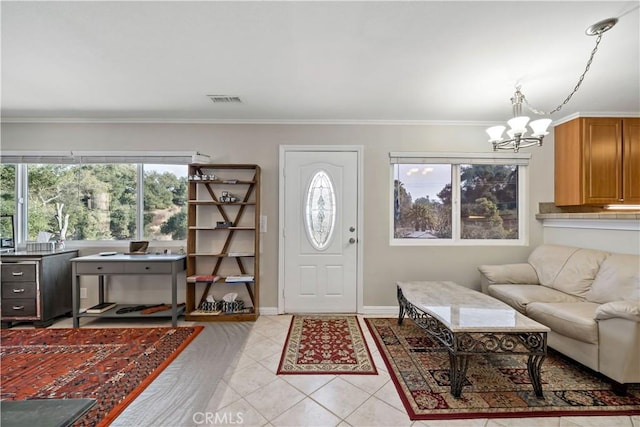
[
  {"x": 264, "y": 398},
  {"x": 251, "y": 394}
]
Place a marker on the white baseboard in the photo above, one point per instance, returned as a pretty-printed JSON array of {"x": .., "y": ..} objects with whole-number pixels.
[
  {"x": 371, "y": 310},
  {"x": 380, "y": 310},
  {"x": 269, "y": 311}
]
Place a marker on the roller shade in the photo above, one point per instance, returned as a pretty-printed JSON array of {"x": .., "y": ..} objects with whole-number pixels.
[
  {"x": 87, "y": 157},
  {"x": 410, "y": 157}
]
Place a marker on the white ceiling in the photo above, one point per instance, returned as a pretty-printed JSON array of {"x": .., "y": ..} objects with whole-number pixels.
[{"x": 423, "y": 61}]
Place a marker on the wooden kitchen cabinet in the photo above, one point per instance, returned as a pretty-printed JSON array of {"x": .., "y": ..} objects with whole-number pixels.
[{"x": 597, "y": 161}]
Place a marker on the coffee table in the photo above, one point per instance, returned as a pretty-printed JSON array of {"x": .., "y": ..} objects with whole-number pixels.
[{"x": 468, "y": 323}]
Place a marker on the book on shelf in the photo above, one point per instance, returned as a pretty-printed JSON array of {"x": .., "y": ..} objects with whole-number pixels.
[
  {"x": 239, "y": 278},
  {"x": 199, "y": 312},
  {"x": 101, "y": 308},
  {"x": 208, "y": 278},
  {"x": 240, "y": 254}
]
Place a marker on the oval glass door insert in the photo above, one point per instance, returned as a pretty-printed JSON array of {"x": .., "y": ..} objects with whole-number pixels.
[{"x": 320, "y": 210}]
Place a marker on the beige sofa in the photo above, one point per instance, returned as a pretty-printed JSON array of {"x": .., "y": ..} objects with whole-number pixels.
[{"x": 589, "y": 299}]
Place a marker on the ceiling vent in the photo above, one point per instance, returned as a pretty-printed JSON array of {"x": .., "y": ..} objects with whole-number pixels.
[{"x": 225, "y": 99}]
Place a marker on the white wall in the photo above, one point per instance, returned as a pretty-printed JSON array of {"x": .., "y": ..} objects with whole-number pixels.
[
  {"x": 383, "y": 264},
  {"x": 621, "y": 236}
]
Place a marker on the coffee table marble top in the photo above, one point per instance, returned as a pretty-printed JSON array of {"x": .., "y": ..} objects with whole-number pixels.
[{"x": 462, "y": 309}]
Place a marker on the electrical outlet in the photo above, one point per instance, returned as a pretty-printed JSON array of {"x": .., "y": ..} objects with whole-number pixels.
[{"x": 83, "y": 292}]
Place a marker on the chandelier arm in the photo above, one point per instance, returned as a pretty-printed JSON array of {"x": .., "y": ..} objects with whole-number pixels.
[{"x": 575, "y": 89}]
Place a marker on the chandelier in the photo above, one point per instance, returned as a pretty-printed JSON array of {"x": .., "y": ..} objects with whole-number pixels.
[{"x": 517, "y": 133}]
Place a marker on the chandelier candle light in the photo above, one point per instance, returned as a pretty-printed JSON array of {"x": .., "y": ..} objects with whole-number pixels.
[{"x": 517, "y": 132}]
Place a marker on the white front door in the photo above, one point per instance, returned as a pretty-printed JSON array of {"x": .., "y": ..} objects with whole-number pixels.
[{"x": 319, "y": 229}]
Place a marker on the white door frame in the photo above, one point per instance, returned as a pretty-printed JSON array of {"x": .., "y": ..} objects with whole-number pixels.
[{"x": 359, "y": 149}]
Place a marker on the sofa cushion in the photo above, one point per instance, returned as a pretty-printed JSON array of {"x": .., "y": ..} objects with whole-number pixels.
[
  {"x": 510, "y": 273},
  {"x": 617, "y": 280},
  {"x": 629, "y": 310},
  {"x": 572, "y": 319},
  {"x": 566, "y": 268},
  {"x": 547, "y": 260},
  {"x": 519, "y": 296}
]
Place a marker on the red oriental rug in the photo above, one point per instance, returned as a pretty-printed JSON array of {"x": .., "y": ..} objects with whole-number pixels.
[
  {"x": 495, "y": 387},
  {"x": 112, "y": 365},
  {"x": 326, "y": 345}
]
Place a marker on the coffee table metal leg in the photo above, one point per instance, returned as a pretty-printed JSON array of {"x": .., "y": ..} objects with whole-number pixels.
[
  {"x": 534, "y": 365},
  {"x": 457, "y": 371},
  {"x": 401, "y": 314},
  {"x": 401, "y": 307}
]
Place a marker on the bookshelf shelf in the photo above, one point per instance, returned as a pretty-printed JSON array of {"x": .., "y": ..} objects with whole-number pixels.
[{"x": 222, "y": 239}]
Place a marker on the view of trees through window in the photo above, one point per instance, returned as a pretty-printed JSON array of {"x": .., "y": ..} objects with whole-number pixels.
[
  {"x": 423, "y": 201},
  {"x": 7, "y": 189},
  {"x": 100, "y": 201}
]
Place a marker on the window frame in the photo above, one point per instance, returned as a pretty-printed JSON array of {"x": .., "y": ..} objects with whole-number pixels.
[
  {"x": 521, "y": 160},
  {"x": 22, "y": 159}
]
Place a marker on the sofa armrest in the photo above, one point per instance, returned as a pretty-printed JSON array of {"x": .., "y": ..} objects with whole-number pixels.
[
  {"x": 522, "y": 273},
  {"x": 619, "y": 309}
]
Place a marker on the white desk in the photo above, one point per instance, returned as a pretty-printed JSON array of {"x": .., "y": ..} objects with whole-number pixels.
[{"x": 132, "y": 265}]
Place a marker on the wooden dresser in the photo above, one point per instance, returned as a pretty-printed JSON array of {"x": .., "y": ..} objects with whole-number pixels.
[{"x": 35, "y": 287}]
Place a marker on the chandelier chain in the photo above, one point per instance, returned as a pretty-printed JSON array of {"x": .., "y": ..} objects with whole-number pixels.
[{"x": 575, "y": 89}]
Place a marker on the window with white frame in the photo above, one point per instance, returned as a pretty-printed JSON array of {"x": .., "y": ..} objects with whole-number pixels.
[
  {"x": 96, "y": 197},
  {"x": 459, "y": 198}
]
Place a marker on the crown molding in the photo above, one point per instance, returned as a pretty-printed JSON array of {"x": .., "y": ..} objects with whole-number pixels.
[
  {"x": 47, "y": 120},
  {"x": 595, "y": 114},
  {"x": 351, "y": 122}
]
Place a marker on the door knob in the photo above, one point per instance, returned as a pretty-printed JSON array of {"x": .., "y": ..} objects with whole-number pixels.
[
  {"x": 352, "y": 229},
  {"x": 352, "y": 240}
]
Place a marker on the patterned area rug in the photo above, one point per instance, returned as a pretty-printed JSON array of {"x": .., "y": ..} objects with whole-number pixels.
[
  {"x": 495, "y": 387},
  {"x": 111, "y": 365},
  {"x": 326, "y": 345}
]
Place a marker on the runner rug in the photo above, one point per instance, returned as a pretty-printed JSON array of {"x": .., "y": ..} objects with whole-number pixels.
[
  {"x": 495, "y": 386},
  {"x": 111, "y": 365},
  {"x": 326, "y": 345}
]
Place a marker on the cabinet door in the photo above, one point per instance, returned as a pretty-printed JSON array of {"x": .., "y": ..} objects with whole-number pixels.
[
  {"x": 631, "y": 136},
  {"x": 602, "y": 160}
]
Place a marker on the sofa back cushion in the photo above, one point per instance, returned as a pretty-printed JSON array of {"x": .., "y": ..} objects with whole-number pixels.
[
  {"x": 618, "y": 279},
  {"x": 567, "y": 269}
]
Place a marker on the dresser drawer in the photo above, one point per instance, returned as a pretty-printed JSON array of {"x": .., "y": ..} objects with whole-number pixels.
[
  {"x": 13, "y": 290},
  {"x": 18, "y": 307},
  {"x": 19, "y": 272},
  {"x": 147, "y": 268},
  {"x": 99, "y": 268}
]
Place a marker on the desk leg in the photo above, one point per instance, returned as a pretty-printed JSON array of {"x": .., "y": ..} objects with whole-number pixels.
[
  {"x": 100, "y": 289},
  {"x": 174, "y": 297},
  {"x": 75, "y": 293}
]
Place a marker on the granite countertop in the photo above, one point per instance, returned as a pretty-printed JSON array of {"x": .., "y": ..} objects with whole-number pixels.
[
  {"x": 548, "y": 210},
  {"x": 590, "y": 215}
]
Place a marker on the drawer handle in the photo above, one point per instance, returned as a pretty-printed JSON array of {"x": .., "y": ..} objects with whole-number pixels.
[
  {"x": 18, "y": 291},
  {"x": 18, "y": 307},
  {"x": 147, "y": 268},
  {"x": 17, "y": 273},
  {"x": 99, "y": 268}
]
